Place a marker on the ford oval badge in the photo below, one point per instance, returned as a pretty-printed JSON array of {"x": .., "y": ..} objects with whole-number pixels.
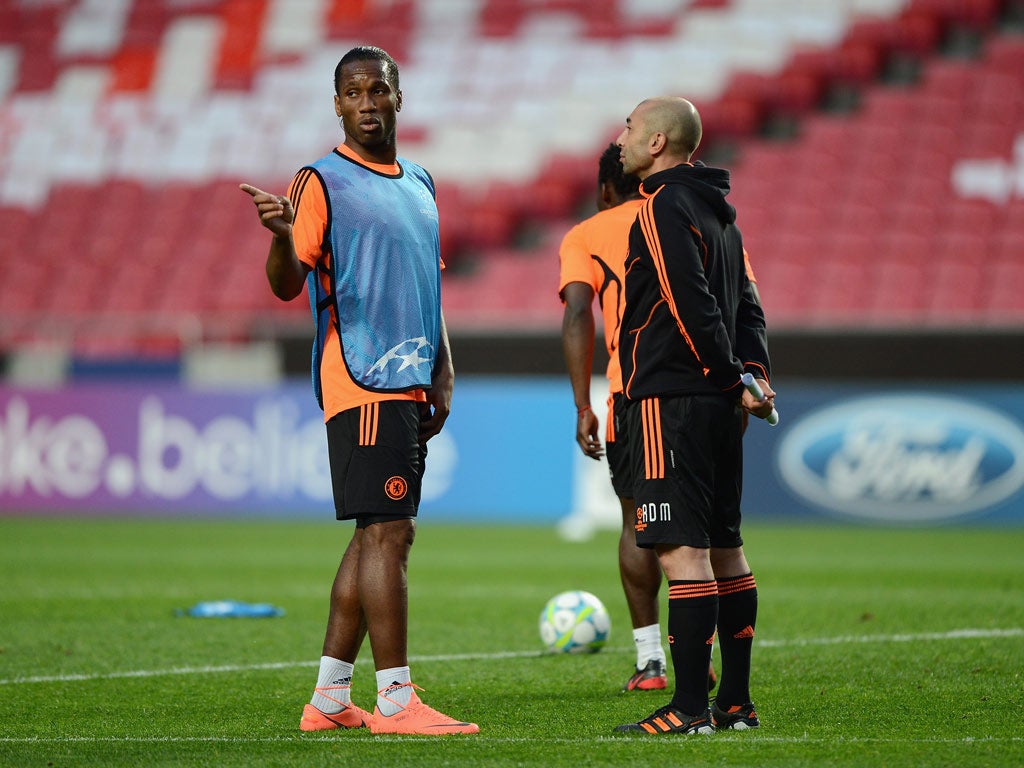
[{"x": 904, "y": 458}]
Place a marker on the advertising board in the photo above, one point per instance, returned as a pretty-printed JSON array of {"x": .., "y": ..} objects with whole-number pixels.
[{"x": 874, "y": 454}]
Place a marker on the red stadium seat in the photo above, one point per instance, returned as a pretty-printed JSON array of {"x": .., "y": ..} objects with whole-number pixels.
[
  {"x": 1005, "y": 53},
  {"x": 972, "y": 12}
]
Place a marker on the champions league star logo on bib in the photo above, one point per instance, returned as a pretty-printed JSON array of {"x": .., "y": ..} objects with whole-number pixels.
[{"x": 408, "y": 352}]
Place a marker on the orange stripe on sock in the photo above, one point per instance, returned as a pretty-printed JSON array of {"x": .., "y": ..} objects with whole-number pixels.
[
  {"x": 732, "y": 586},
  {"x": 695, "y": 589}
]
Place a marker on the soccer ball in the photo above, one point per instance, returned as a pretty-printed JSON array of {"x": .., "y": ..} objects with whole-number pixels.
[{"x": 574, "y": 622}]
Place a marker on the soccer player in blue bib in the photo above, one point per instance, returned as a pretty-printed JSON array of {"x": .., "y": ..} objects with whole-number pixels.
[{"x": 358, "y": 230}]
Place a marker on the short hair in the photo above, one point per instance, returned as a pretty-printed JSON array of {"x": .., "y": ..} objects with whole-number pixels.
[
  {"x": 369, "y": 53},
  {"x": 678, "y": 119},
  {"x": 609, "y": 170}
]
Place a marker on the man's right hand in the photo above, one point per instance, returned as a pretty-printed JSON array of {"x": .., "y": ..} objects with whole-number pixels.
[
  {"x": 587, "y": 434},
  {"x": 276, "y": 211},
  {"x": 762, "y": 409}
]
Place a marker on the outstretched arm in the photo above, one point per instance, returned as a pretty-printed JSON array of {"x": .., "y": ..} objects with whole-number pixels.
[{"x": 286, "y": 273}]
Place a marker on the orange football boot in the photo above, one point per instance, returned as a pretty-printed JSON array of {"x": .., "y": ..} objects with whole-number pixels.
[{"x": 417, "y": 718}]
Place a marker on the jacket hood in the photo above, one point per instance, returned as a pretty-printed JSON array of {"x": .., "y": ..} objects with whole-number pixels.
[{"x": 710, "y": 184}]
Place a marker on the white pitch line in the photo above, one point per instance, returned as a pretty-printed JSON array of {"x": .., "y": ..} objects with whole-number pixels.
[
  {"x": 954, "y": 634},
  {"x": 762, "y": 738}
]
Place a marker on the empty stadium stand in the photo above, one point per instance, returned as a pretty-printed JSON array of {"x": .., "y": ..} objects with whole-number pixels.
[{"x": 877, "y": 151}]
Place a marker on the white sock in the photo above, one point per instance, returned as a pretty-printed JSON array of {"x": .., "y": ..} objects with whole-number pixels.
[
  {"x": 648, "y": 645},
  {"x": 335, "y": 678},
  {"x": 390, "y": 683}
]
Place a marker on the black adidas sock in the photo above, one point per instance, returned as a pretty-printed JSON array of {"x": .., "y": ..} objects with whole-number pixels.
[
  {"x": 737, "y": 616},
  {"x": 692, "y": 615}
]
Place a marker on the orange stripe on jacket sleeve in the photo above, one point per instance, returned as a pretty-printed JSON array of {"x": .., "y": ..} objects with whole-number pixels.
[
  {"x": 749, "y": 269},
  {"x": 650, "y": 232},
  {"x": 763, "y": 374},
  {"x": 703, "y": 246}
]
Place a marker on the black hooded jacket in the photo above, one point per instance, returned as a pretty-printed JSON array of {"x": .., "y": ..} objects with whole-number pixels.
[{"x": 692, "y": 322}]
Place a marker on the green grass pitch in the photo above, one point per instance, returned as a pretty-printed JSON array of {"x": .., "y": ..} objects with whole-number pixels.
[{"x": 875, "y": 647}]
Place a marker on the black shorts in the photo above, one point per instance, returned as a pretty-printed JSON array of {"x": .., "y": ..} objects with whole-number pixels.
[
  {"x": 377, "y": 461},
  {"x": 616, "y": 446},
  {"x": 689, "y": 468}
]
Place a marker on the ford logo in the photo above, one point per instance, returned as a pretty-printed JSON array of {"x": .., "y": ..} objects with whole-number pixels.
[{"x": 904, "y": 458}]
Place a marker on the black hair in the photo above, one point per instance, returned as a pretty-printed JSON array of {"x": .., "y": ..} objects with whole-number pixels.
[
  {"x": 609, "y": 170},
  {"x": 369, "y": 53}
]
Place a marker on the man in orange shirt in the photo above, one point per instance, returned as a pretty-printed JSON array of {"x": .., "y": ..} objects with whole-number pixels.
[{"x": 359, "y": 229}]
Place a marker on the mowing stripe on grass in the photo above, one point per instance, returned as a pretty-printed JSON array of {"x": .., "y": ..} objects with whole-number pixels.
[{"x": 954, "y": 634}]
